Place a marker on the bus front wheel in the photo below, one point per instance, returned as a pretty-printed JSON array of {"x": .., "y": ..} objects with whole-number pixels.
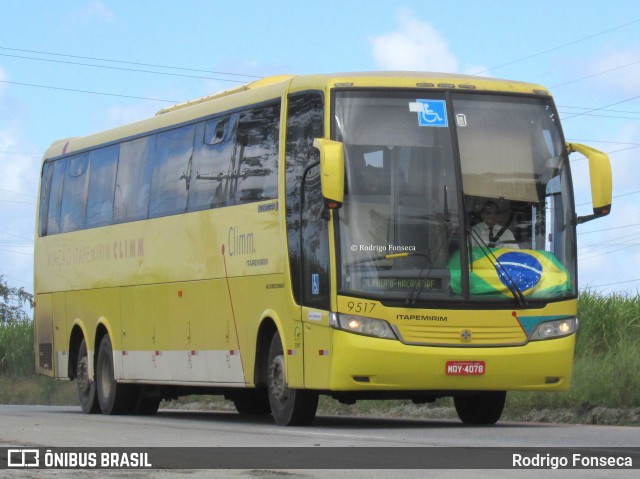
[
  {"x": 85, "y": 384},
  {"x": 482, "y": 407},
  {"x": 289, "y": 407}
]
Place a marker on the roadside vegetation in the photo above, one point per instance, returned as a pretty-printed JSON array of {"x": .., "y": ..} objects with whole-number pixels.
[{"x": 605, "y": 387}]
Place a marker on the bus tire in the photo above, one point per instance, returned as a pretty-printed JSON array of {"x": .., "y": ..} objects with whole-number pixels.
[
  {"x": 148, "y": 405},
  {"x": 86, "y": 385},
  {"x": 289, "y": 407},
  {"x": 480, "y": 408},
  {"x": 252, "y": 402},
  {"x": 114, "y": 397}
]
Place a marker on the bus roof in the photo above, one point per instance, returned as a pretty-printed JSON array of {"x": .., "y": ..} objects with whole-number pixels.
[{"x": 272, "y": 87}]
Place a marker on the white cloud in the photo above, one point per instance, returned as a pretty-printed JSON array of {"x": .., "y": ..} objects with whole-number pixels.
[
  {"x": 119, "y": 115},
  {"x": 3, "y": 86},
  {"x": 415, "y": 45},
  {"x": 617, "y": 70},
  {"x": 95, "y": 11},
  {"x": 624, "y": 158},
  {"x": 19, "y": 166},
  {"x": 19, "y": 163},
  {"x": 611, "y": 255}
]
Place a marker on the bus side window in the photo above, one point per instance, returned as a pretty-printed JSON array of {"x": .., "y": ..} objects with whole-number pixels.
[
  {"x": 254, "y": 169},
  {"x": 131, "y": 200},
  {"x": 74, "y": 194},
  {"x": 102, "y": 178},
  {"x": 171, "y": 176},
  {"x": 45, "y": 192},
  {"x": 209, "y": 182},
  {"x": 51, "y": 196}
]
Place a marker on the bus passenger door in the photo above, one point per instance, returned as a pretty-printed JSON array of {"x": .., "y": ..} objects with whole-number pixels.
[{"x": 315, "y": 284}]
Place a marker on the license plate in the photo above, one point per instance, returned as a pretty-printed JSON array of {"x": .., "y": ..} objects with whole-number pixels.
[{"x": 465, "y": 368}]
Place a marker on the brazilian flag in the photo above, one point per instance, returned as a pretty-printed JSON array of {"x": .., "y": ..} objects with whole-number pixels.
[{"x": 534, "y": 273}]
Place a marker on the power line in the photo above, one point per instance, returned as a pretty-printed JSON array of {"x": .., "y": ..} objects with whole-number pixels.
[
  {"x": 595, "y": 74},
  {"x": 607, "y": 153},
  {"x": 137, "y": 70},
  {"x": 15, "y": 252},
  {"x": 601, "y": 116},
  {"x": 609, "y": 252},
  {"x": 549, "y": 50},
  {"x": 19, "y": 153},
  {"x": 608, "y": 229},
  {"x": 613, "y": 284},
  {"x": 588, "y": 108},
  {"x": 49, "y": 87},
  {"x": 604, "y": 141},
  {"x": 169, "y": 67},
  {"x": 17, "y": 193},
  {"x": 602, "y": 107},
  {"x": 19, "y": 237},
  {"x": 616, "y": 196},
  {"x": 18, "y": 202}
]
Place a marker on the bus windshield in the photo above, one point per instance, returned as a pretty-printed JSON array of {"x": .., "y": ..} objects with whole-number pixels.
[{"x": 426, "y": 219}]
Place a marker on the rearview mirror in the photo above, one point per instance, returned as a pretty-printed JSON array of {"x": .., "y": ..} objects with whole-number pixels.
[
  {"x": 601, "y": 183},
  {"x": 331, "y": 171}
]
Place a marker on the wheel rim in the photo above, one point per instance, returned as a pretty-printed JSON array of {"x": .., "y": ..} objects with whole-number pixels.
[
  {"x": 82, "y": 374},
  {"x": 105, "y": 378},
  {"x": 277, "y": 382}
]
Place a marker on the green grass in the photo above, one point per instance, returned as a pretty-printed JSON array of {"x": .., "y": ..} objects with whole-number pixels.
[
  {"x": 606, "y": 372},
  {"x": 38, "y": 390},
  {"x": 607, "y": 362},
  {"x": 16, "y": 349}
]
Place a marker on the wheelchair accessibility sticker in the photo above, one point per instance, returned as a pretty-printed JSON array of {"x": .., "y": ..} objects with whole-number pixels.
[{"x": 430, "y": 112}]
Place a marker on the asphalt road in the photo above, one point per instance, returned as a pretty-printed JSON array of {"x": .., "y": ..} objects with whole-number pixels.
[{"x": 55, "y": 427}]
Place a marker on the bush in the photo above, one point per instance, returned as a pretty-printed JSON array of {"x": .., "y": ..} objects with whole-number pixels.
[{"x": 16, "y": 348}]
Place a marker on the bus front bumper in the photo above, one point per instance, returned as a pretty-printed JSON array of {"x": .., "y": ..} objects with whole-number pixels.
[{"x": 361, "y": 363}]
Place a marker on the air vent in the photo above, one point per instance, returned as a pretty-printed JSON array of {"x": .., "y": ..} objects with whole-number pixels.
[{"x": 46, "y": 356}]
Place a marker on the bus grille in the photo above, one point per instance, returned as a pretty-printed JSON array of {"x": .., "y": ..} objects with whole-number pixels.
[
  {"x": 441, "y": 335},
  {"x": 45, "y": 352}
]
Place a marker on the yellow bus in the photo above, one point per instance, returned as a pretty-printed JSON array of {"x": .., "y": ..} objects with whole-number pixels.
[{"x": 321, "y": 234}]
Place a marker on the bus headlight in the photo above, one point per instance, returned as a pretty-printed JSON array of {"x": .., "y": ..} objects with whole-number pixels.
[
  {"x": 555, "y": 329},
  {"x": 361, "y": 325}
]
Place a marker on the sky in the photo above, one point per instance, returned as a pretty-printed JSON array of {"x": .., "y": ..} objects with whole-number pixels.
[{"x": 71, "y": 68}]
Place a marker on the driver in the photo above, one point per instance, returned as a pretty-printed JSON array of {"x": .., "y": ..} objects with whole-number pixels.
[{"x": 491, "y": 233}]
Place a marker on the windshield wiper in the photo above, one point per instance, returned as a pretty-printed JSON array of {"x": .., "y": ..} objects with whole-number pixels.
[
  {"x": 375, "y": 258},
  {"x": 418, "y": 287},
  {"x": 517, "y": 293}
]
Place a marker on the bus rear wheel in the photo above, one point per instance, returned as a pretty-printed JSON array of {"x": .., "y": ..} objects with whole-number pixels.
[
  {"x": 480, "y": 408},
  {"x": 114, "y": 397},
  {"x": 86, "y": 385},
  {"x": 289, "y": 407}
]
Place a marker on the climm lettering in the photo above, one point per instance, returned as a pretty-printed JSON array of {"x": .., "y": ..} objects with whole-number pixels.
[
  {"x": 240, "y": 243},
  {"x": 132, "y": 248},
  {"x": 97, "y": 253}
]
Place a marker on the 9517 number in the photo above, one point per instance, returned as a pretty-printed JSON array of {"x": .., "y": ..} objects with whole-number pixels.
[{"x": 360, "y": 306}]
